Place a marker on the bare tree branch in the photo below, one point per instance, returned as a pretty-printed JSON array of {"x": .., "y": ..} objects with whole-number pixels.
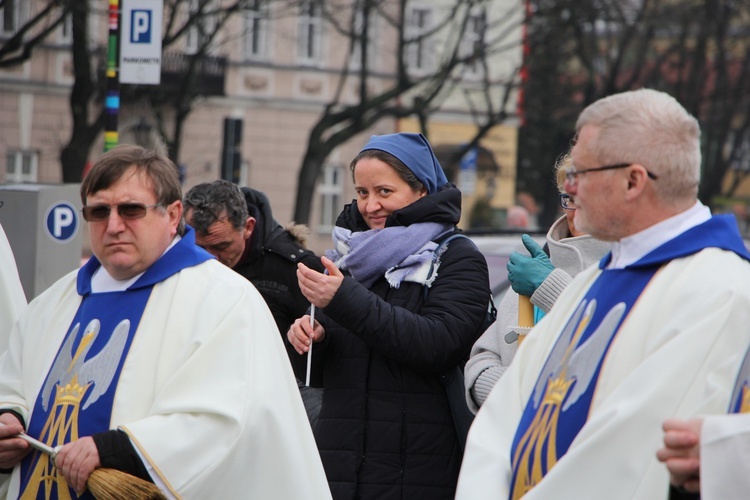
[{"x": 19, "y": 47}]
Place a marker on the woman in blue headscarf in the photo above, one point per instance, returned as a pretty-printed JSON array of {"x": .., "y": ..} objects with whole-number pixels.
[{"x": 387, "y": 329}]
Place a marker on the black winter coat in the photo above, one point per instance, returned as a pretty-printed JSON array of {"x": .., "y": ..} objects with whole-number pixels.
[
  {"x": 385, "y": 428},
  {"x": 270, "y": 263}
]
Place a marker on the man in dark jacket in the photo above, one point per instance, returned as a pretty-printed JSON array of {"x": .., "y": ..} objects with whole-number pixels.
[{"x": 236, "y": 225}]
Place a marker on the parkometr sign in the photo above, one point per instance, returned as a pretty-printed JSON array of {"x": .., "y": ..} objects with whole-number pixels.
[{"x": 140, "y": 41}]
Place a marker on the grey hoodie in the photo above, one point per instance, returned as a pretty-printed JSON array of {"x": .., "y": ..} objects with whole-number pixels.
[{"x": 491, "y": 354}]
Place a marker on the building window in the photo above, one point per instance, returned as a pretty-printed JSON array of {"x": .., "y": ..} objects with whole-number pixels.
[
  {"x": 310, "y": 32},
  {"x": 21, "y": 166},
  {"x": 10, "y": 16},
  {"x": 66, "y": 30},
  {"x": 256, "y": 30},
  {"x": 330, "y": 192},
  {"x": 202, "y": 26},
  {"x": 418, "y": 49},
  {"x": 358, "y": 31},
  {"x": 472, "y": 43}
]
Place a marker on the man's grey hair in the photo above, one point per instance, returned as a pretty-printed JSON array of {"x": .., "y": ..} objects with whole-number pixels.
[
  {"x": 208, "y": 202},
  {"x": 652, "y": 129}
]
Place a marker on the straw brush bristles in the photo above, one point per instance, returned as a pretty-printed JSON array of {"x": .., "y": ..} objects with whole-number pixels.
[
  {"x": 112, "y": 484},
  {"x": 104, "y": 483}
]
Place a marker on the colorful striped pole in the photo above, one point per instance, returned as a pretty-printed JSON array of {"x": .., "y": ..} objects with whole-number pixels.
[{"x": 112, "y": 104}]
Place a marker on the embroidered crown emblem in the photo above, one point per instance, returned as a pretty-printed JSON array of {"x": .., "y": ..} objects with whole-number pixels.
[
  {"x": 557, "y": 389},
  {"x": 71, "y": 393}
]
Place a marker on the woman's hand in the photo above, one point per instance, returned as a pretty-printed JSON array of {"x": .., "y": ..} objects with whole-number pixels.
[
  {"x": 301, "y": 333},
  {"x": 317, "y": 287}
]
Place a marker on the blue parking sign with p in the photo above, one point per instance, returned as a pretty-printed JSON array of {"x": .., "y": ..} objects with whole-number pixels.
[
  {"x": 61, "y": 221},
  {"x": 140, "y": 26},
  {"x": 140, "y": 43}
]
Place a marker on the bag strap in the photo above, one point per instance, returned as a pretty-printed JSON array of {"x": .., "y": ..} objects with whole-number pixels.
[
  {"x": 491, "y": 314},
  {"x": 453, "y": 379},
  {"x": 436, "y": 256}
]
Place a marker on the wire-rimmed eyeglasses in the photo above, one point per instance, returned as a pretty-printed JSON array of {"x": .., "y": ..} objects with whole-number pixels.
[
  {"x": 127, "y": 211},
  {"x": 567, "y": 202},
  {"x": 572, "y": 173}
]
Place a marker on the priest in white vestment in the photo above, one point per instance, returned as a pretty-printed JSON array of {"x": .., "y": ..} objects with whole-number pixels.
[
  {"x": 154, "y": 359},
  {"x": 12, "y": 297},
  {"x": 657, "y": 329}
]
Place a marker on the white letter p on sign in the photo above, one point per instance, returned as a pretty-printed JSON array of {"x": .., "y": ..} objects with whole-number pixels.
[{"x": 62, "y": 218}]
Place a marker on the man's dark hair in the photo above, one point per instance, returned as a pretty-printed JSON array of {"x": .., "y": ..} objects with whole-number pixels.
[
  {"x": 210, "y": 201},
  {"x": 111, "y": 166}
]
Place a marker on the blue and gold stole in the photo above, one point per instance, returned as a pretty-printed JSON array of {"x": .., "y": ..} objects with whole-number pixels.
[
  {"x": 740, "y": 401},
  {"x": 561, "y": 399},
  {"x": 559, "y": 404},
  {"x": 78, "y": 393}
]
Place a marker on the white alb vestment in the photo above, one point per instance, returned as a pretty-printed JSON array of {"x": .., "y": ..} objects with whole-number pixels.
[
  {"x": 206, "y": 393},
  {"x": 725, "y": 445},
  {"x": 676, "y": 354},
  {"x": 725, "y": 457},
  {"x": 12, "y": 302},
  {"x": 12, "y": 297}
]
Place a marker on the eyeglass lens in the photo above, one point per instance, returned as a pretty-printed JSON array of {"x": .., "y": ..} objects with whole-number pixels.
[
  {"x": 128, "y": 211},
  {"x": 570, "y": 175},
  {"x": 566, "y": 202}
]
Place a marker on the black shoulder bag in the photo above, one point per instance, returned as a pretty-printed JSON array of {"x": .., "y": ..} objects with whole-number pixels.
[{"x": 453, "y": 379}]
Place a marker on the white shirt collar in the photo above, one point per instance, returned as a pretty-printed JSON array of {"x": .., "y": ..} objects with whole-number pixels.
[
  {"x": 634, "y": 247},
  {"x": 102, "y": 281}
]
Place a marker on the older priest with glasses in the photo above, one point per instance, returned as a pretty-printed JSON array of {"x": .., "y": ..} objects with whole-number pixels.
[
  {"x": 542, "y": 275},
  {"x": 657, "y": 329},
  {"x": 153, "y": 359}
]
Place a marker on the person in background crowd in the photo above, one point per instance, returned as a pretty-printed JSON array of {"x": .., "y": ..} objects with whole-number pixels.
[
  {"x": 152, "y": 359},
  {"x": 539, "y": 277},
  {"x": 656, "y": 330},
  {"x": 386, "y": 330},
  {"x": 518, "y": 218},
  {"x": 237, "y": 226}
]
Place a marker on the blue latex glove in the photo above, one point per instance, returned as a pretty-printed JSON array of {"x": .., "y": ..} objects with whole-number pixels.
[{"x": 527, "y": 273}]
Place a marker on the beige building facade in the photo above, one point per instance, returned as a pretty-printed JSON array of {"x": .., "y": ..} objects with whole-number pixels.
[{"x": 284, "y": 63}]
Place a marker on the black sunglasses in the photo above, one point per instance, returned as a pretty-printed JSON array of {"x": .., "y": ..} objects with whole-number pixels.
[{"x": 127, "y": 211}]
